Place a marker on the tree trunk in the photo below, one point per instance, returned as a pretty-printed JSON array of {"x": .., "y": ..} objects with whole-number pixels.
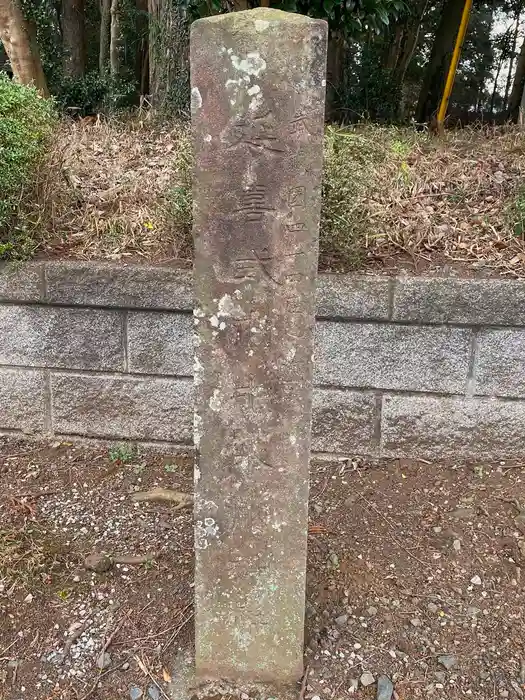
[
  {"x": 141, "y": 55},
  {"x": 442, "y": 50},
  {"x": 411, "y": 37},
  {"x": 512, "y": 55},
  {"x": 334, "y": 72},
  {"x": 155, "y": 11},
  {"x": 409, "y": 46},
  {"x": 19, "y": 40},
  {"x": 518, "y": 86},
  {"x": 169, "y": 55},
  {"x": 394, "y": 49},
  {"x": 496, "y": 78},
  {"x": 105, "y": 18},
  {"x": 521, "y": 118},
  {"x": 74, "y": 37},
  {"x": 114, "y": 42}
]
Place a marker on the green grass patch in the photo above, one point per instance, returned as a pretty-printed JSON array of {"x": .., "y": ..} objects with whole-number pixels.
[{"x": 518, "y": 214}]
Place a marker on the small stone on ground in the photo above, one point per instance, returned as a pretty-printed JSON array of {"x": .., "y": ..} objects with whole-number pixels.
[
  {"x": 341, "y": 620},
  {"x": 367, "y": 679},
  {"x": 448, "y": 661},
  {"x": 103, "y": 661},
  {"x": 153, "y": 692},
  {"x": 385, "y": 688}
]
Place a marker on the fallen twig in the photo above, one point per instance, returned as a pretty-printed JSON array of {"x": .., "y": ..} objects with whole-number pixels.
[
  {"x": 9, "y": 647},
  {"x": 110, "y": 638},
  {"x": 74, "y": 636},
  {"x": 98, "y": 679},
  {"x": 180, "y": 499},
  {"x": 316, "y": 529},
  {"x": 15, "y": 673},
  {"x": 131, "y": 561},
  {"x": 178, "y": 630},
  {"x": 105, "y": 647},
  {"x": 147, "y": 672},
  {"x": 394, "y": 539},
  {"x": 304, "y": 682},
  {"x": 34, "y": 494}
]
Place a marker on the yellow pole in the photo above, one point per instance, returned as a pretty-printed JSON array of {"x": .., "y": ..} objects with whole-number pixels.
[{"x": 453, "y": 66}]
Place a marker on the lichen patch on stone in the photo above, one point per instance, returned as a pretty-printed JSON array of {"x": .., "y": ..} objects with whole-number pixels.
[
  {"x": 196, "y": 98},
  {"x": 261, "y": 25},
  {"x": 197, "y": 430},
  {"x": 215, "y": 401},
  {"x": 253, "y": 64}
]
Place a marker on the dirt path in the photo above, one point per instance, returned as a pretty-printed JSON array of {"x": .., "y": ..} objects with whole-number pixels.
[{"x": 414, "y": 573}]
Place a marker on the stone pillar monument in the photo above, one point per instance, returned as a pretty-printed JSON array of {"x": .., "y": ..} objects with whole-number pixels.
[{"x": 258, "y": 85}]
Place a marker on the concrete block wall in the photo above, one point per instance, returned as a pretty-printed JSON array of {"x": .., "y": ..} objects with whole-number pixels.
[{"x": 406, "y": 367}]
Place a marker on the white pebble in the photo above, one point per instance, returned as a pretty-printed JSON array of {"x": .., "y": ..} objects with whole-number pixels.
[{"x": 367, "y": 679}]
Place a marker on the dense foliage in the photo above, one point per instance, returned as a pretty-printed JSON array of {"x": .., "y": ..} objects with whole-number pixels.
[
  {"x": 387, "y": 58},
  {"x": 26, "y": 121}
]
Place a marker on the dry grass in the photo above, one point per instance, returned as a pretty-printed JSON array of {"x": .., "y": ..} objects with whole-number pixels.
[
  {"x": 122, "y": 190},
  {"x": 29, "y": 558},
  {"x": 460, "y": 201},
  {"x": 110, "y": 191}
]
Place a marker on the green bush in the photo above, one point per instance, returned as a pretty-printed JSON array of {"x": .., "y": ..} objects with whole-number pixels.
[
  {"x": 26, "y": 121},
  {"x": 179, "y": 207},
  {"x": 85, "y": 95},
  {"x": 93, "y": 93},
  {"x": 350, "y": 160}
]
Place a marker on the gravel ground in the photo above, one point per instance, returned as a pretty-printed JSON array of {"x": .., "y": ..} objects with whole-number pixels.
[
  {"x": 71, "y": 616},
  {"x": 414, "y": 577},
  {"x": 416, "y": 580}
]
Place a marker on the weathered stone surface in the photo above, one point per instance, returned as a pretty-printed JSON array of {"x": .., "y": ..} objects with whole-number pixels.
[
  {"x": 20, "y": 282},
  {"x": 128, "y": 286},
  {"x": 160, "y": 343},
  {"x": 500, "y": 366},
  {"x": 55, "y": 337},
  {"x": 464, "y": 301},
  {"x": 258, "y": 82},
  {"x": 343, "y": 421},
  {"x": 349, "y": 296},
  {"x": 127, "y": 407},
  {"x": 21, "y": 400},
  {"x": 433, "y": 428},
  {"x": 387, "y": 356}
]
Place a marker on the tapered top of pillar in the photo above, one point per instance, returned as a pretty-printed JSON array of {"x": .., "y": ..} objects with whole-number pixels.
[
  {"x": 255, "y": 62},
  {"x": 260, "y": 19}
]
